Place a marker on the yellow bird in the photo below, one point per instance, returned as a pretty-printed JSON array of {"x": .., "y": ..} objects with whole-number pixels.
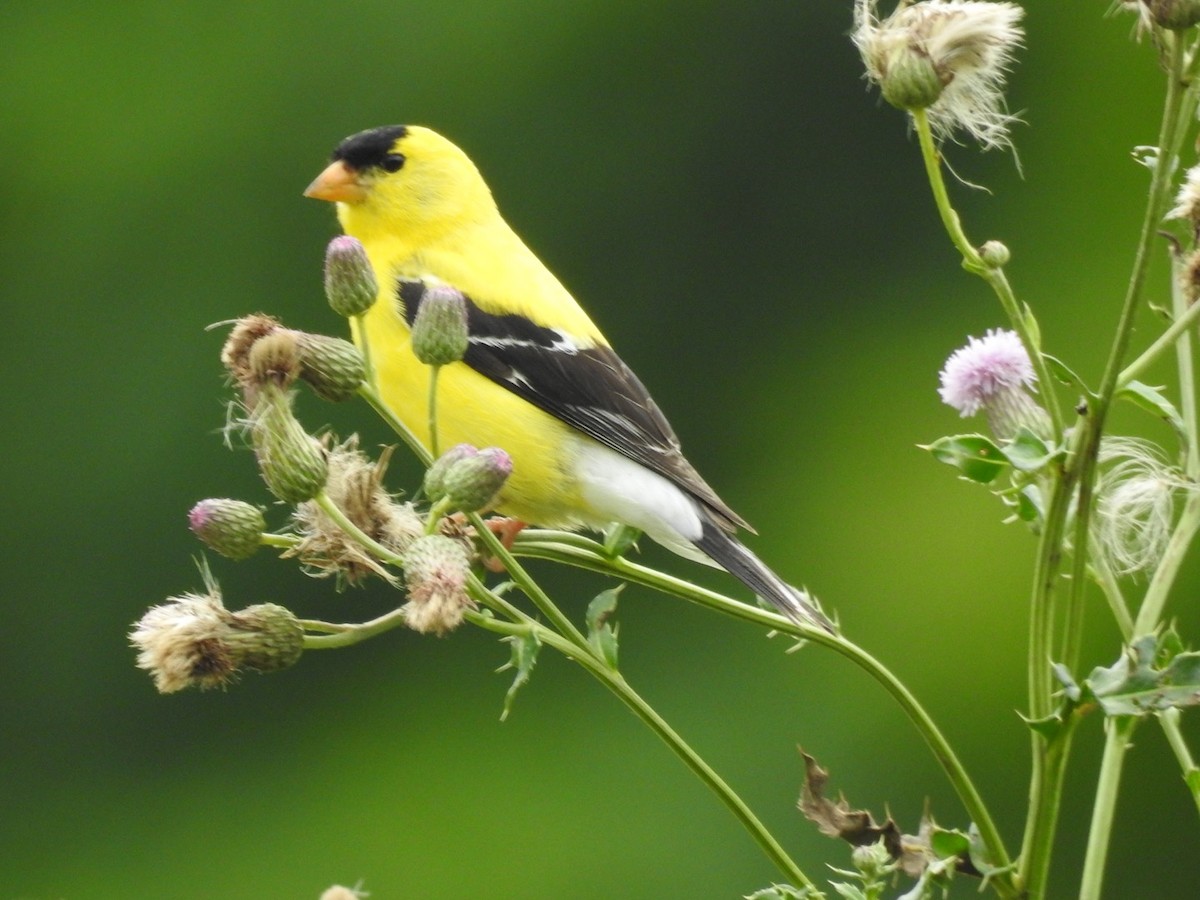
[{"x": 588, "y": 444}]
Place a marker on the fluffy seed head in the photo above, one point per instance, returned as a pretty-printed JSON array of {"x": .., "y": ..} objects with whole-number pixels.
[
  {"x": 949, "y": 57},
  {"x": 1135, "y": 508},
  {"x": 194, "y": 641},
  {"x": 355, "y": 485}
]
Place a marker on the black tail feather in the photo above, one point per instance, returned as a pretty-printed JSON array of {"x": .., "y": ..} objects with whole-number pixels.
[{"x": 731, "y": 555}]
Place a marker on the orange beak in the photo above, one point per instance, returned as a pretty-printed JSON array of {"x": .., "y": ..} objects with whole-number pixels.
[{"x": 337, "y": 183}]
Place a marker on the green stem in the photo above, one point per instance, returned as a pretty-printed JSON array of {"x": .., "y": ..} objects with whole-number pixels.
[
  {"x": 575, "y": 553},
  {"x": 433, "y": 419},
  {"x": 1150, "y": 355},
  {"x": 613, "y": 680},
  {"x": 1116, "y": 743},
  {"x": 371, "y": 394},
  {"x": 283, "y": 541},
  {"x": 526, "y": 583},
  {"x": 1048, "y": 778},
  {"x": 358, "y": 330},
  {"x": 348, "y": 635},
  {"x": 1021, "y": 320},
  {"x": 1169, "y": 718}
]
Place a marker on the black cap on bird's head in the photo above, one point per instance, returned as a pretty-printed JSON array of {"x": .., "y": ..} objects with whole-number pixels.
[
  {"x": 360, "y": 153},
  {"x": 371, "y": 148}
]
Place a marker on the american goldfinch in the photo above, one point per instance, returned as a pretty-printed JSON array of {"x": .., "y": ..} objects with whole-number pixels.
[{"x": 588, "y": 444}]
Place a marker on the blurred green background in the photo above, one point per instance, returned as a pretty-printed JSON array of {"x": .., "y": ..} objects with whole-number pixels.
[{"x": 750, "y": 226}]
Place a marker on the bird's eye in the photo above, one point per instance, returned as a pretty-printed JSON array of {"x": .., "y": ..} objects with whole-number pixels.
[{"x": 393, "y": 162}]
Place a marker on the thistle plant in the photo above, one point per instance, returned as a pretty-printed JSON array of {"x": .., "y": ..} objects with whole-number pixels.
[{"x": 1109, "y": 513}]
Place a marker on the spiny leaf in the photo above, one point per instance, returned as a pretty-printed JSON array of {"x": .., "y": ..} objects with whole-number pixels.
[
  {"x": 972, "y": 454},
  {"x": 1153, "y": 400},
  {"x": 601, "y": 634},
  {"x": 525, "y": 649},
  {"x": 1154, "y": 673}
]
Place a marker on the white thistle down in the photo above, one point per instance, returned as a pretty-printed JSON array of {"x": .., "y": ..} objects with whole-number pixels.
[
  {"x": 949, "y": 57},
  {"x": 1135, "y": 508},
  {"x": 1187, "y": 201}
]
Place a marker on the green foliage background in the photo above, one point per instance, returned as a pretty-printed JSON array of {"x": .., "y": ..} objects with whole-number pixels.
[{"x": 752, "y": 229}]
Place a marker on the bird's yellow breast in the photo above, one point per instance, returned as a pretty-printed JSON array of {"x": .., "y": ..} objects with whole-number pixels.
[{"x": 470, "y": 407}]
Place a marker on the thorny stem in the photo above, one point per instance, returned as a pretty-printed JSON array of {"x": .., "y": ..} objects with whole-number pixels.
[{"x": 586, "y": 554}]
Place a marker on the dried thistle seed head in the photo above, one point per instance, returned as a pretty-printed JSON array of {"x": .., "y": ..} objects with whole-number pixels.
[
  {"x": 439, "y": 330},
  {"x": 948, "y": 57},
  {"x": 233, "y": 528},
  {"x": 246, "y": 331},
  {"x": 350, "y": 284},
  {"x": 435, "y": 571},
  {"x": 194, "y": 641},
  {"x": 274, "y": 358},
  {"x": 1173, "y": 15},
  {"x": 292, "y": 462},
  {"x": 355, "y": 485},
  {"x": 334, "y": 368}
]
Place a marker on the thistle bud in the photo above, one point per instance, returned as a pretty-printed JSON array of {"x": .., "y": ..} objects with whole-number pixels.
[
  {"x": 468, "y": 479},
  {"x": 194, "y": 641},
  {"x": 350, "y": 284},
  {"x": 292, "y": 463},
  {"x": 909, "y": 79},
  {"x": 334, "y": 368},
  {"x": 435, "y": 571},
  {"x": 439, "y": 330},
  {"x": 231, "y": 527},
  {"x": 994, "y": 254}
]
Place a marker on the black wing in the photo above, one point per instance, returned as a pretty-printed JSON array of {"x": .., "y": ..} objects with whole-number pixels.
[{"x": 589, "y": 388}]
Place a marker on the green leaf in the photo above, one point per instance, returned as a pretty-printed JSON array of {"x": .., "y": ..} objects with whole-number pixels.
[
  {"x": 525, "y": 648},
  {"x": 619, "y": 539},
  {"x": 1027, "y": 452},
  {"x": 1062, "y": 371},
  {"x": 1153, "y": 400},
  {"x": 1152, "y": 674},
  {"x": 972, "y": 454},
  {"x": 1029, "y": 504},
  {"x": 782, "y": 892},
  {"x": 602, "y": 635},
  {"x": 946, "y": 842}
]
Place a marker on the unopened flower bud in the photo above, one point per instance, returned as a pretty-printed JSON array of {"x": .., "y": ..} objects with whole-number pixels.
[
  {"x": 994, "y": 254},
  {"x": 435, "y": 571},
  {"x": 333, "y": 367},
  {"x": 350, "y": 284},
  {"x": 439, "y": 330},
  {"x": 292, "y": 463},
  {"x": 435, "y": 475},
  {"x": 231, "y": 527},
  {"x": 194, "y": 641},
  {"x": 468, "y": 479},
  {"x": 274, "y": 358}
]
